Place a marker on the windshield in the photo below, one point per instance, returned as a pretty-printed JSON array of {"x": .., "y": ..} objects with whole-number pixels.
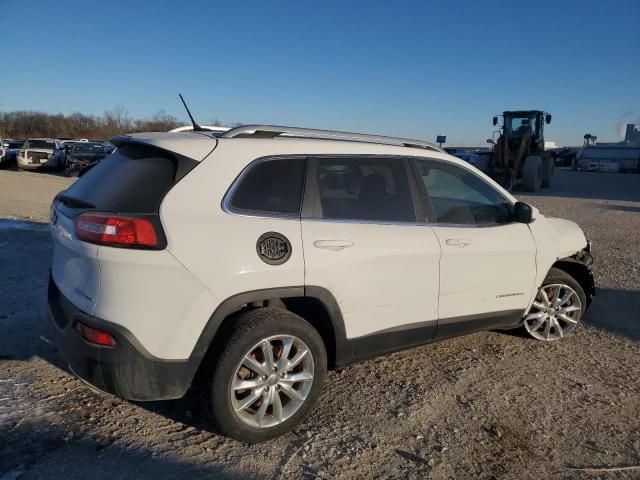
[
  {"x": 520, "y": 126},
  {"x": 44, "y": 144},
  {"x": 87, "y": 148}
]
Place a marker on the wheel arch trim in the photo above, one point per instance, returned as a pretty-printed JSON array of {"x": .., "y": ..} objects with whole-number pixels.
[
  {"x": 578, "y": 266},
  {"x": 240, "y": 300}
]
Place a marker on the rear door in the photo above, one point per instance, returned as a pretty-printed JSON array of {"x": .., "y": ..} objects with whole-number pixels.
[
  {"x": 364, "y": 242},
  {"x": 488, "y": 261}
]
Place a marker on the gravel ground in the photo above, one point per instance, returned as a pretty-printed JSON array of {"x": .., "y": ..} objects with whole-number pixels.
[{"x": 488, "y": 405}]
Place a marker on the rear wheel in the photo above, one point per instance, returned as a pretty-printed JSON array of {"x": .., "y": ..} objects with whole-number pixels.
[
  {"x": 557, "y": 308},
  {"x": 532, "y": 173},
  {"x": 547, "y": 172},
  {"x": 268, "y": 375}
]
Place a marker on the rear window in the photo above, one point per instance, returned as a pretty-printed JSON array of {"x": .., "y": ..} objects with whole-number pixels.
[
  {"x": 373, "y": 189},
  {"x": 271, "y": 186},
  {"x": 87, "y": 148},
  {"x": 44, "y": 144},
  {"x": 134, "y": 179}
]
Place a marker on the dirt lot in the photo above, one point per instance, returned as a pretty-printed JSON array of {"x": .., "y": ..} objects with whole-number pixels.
[{"x": 489, "y": 405}]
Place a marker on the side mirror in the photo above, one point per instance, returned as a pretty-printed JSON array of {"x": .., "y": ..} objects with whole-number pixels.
[
  {"x": 495, "y": 121},
  {"x": 522, "y": 212},
  {"x": 547, "y": 118},
  {"x": 490, "y": 140}
]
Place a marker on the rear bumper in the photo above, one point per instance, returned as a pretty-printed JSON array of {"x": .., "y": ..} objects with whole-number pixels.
[{"x": 126, "y": 370}]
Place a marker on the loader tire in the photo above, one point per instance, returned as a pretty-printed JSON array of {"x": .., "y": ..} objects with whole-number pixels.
[
  {"x": 547, "y": 171},
  {"x": 483, "y": 163},
  {"x": 532, "y": 173}
]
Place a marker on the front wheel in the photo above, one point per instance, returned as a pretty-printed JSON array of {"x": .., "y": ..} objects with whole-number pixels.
[
  {"x": 557, "y": 308},
  {"x": 547, "y": 172},
  {"x": 268, "y": 375},
  {"x": 532, "y": 173}
]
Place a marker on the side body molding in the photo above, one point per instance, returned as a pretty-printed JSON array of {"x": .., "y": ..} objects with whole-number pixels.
[{"x": 341, "y": 350}]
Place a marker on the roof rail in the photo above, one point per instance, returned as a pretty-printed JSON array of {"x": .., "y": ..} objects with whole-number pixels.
[{"x": 271, "y": 131}]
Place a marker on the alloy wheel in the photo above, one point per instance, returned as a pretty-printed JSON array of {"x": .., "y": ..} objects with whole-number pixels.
[
  {"x": 272, "y": 381},
  {"x": 555, "y": 312}
]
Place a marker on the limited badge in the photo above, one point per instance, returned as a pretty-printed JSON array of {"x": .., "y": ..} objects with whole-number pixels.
[{"x": 273, "y": 248}]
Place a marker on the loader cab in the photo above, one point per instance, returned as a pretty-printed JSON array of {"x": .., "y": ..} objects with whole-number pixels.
[{"x": 522, "y": 123}]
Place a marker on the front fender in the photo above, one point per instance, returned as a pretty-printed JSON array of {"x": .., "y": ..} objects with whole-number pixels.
[{"x": 556, "y": 239}]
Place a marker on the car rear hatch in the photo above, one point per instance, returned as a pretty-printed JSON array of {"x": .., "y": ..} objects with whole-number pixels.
[{"x": 130, "y": 184}]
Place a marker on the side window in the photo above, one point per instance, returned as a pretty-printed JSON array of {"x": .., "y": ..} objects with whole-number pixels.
[
  {"x": 271, "y": 187},
  {"x": 460, "y": 197},
  {"x": 364, "y": 189}
]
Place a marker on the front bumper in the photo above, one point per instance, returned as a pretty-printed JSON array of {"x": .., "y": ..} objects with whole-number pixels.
[
  {"x": 26, "y": 164},
  {"x": 126, "y": 370},
  {"x": 29, "y": 166}
]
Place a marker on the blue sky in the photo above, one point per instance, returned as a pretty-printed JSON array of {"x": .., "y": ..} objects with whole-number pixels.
[{"x": 416, "y": 69}]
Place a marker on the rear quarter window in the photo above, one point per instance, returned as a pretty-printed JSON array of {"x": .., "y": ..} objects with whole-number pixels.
[{"x": 270, "y": 186}]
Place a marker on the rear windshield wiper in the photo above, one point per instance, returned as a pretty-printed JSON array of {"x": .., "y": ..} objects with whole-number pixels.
[{"x": 74, "y": 202}]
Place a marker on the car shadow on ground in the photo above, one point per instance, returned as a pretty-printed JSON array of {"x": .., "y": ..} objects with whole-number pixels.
[
  {"x": 616, "y": 311},
  {"x": 621, "y": 208},
  {"x": 32, "y": 449}
]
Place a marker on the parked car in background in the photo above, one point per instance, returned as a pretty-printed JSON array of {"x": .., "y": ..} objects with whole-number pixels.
[
  {"x": 41, "y": 152},
  {"x": 469, "y": 157},
  {"x": 83, "y": 155},
  {"x": 9, "y": 151},
  {"x": 108, "y": 147}
]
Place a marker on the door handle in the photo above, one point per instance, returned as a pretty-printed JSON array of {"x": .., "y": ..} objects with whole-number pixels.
[
  {"x": 457, "y": 242},
  {"x": 333, "y": 245}
]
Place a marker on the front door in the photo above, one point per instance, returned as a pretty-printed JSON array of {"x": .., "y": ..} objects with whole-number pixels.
[{"x": 487, "y": 268}]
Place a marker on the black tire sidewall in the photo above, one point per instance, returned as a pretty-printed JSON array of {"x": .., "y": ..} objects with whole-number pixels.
[
  {"x": 556, "y": 275},
  {"x": 251, "y": 327},
  {"x": 532, "y": 173}
]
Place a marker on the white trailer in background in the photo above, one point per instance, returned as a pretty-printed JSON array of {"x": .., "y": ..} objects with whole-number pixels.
[{"x": 610, "y": 158}]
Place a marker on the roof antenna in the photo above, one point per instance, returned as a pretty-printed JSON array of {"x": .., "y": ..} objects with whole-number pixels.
[{"x": 196, "y": 127}]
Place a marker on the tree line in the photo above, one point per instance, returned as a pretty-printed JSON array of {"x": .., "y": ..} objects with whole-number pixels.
[{"x": 31, "y": 124}]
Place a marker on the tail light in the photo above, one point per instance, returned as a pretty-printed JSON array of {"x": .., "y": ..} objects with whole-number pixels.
[
  {"x": 116, "y": 230},
  {"x": 93, "y": 335}
]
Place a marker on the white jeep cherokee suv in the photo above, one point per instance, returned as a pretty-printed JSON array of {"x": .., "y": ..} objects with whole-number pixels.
[{"x": 248, "y": 262}]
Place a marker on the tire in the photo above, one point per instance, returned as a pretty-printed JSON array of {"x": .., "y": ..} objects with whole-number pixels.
[
  {"x": 557, "y": 284},
  {"x": 483, "y": 163},
  {"x": 532, "y": 173},
  {"x": 507, "y": 180},
  {"x": 246, "y": 338},
  {"x": 547, "y": 172}
]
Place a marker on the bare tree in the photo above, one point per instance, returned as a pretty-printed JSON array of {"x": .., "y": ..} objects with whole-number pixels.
[{"x": 30, "y": 124}]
